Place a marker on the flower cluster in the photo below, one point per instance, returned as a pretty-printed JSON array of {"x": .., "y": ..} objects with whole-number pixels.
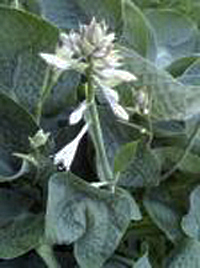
[{"x": 92, "y": 47}]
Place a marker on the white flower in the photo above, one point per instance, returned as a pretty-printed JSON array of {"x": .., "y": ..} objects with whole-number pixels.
[
  {"x": 66, "y": 155},
  {"x": 93, "y": 44}
]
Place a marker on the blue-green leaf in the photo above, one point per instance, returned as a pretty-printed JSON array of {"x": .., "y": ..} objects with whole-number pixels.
[
  {"x": 15, "y": 128},
  {"x": 185, "y": 255},
  {"x": 93, "y": 219},
  {"x": 176, "y": 34},
  {"x": 164, "y": 213},
  {"x": 191, "y": 222},
  {"x": 20, "y": 229},
  {"x": 137, "y": 32}
]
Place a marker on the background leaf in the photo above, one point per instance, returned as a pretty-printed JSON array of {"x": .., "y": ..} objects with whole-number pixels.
[
  {"x": 164, "y": 213},
  {"x": 15, "y": 128},
  {"x": 186, "y": 161},
  {"x": 20, "y": 229},
  {"x": 143, "y": 170},
  {"x": 67, "y": 14},
  {"x": 176, "y": 35},
  {"x": 185, "y": 255},
  {"x": 94, "y": 219},
  {"x": 191, "y": 221},
  {"x": 22, "y": 71},
  {"x": 137, "y": 32}
]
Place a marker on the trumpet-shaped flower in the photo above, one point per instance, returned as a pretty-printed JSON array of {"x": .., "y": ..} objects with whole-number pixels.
[{"x": 66, "y": 155}]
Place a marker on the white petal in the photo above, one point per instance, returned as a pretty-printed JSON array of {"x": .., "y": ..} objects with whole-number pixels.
[
  {"x": 77, "y": 115},
  {"x": 99, "y": 184},
  {"x": 146, "y": 111},
  {"x": 118, "y": 74},
  {"x": 66, "y": 155},
  {"x": 65, "y": 40},
  {"x": 110, "y": 38},
  {"x": 111, "y": 94},
  {"x": 113, "y": 98},
  {"x": 56, "y": 61},
  {"x": 100, "y": 53},
  {"x": 120, "y": 112}
]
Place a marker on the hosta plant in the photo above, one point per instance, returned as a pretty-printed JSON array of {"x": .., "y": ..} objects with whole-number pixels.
[{"x": 99, "y": 134}]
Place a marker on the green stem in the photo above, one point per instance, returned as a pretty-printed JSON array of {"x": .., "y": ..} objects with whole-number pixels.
[
  {"x": 46, "y": 253},
  {"x": 94, "y": 125},
  {"x": 44, "y": 93}
]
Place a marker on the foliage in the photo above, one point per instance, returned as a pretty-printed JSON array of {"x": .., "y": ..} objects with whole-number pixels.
[{"x": 150, "y": 216}]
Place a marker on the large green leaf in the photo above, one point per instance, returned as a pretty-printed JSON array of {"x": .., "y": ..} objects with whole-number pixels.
[
  {"x": 94, "y": 219},
  {"x": 164, "y": 213},
  {"x": 176, "y": 35},
  {"x": 142, "y": 171},
  {"x": 169, "y": 98},
  {"x": 15, "y": 128},
  {"x": 137, "y": 32},
  {"x": 30, "y": 5},
  {"x": 184, "y": 160},
  {"x": 20, "y": 229},
  {"x": 191, "y": 222},
  {"x": 167, "y": 95},
  {"x": 67, "y": 14},
  {"x": 23, "y": 36},
  {"x": 108, "y": 10},
  {"x": 185, "y": 255},
  {"x": 22, "y": 71}
]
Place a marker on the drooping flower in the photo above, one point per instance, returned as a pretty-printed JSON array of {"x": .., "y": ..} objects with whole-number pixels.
[{"x": 66, "y": 155}]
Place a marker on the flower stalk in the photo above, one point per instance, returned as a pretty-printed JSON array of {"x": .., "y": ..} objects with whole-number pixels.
[
  {"x": 92, "y": 53},
  {"x": 95, "y": 127},
  {"x": 96, "y": 132}
]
